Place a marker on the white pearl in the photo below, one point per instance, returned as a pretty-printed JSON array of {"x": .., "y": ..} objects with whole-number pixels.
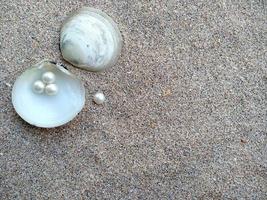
[
  {"x": 99, "y": 98},
  {"x": 49, "y": 77},
  {"x": 51, "y": 89},
  {"x": 38, "y": 87}
]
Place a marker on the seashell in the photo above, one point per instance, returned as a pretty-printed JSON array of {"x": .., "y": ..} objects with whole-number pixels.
[
  {"x": 48, "y": 95},
  {"x": 90, "y": 39}
]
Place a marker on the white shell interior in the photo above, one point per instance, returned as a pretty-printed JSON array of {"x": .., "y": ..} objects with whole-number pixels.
[
  {"x": 90, "y": 39},
  {"x": 46, "y": 111}
]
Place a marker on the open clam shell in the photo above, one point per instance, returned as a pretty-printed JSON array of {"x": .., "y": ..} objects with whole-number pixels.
[
  {"x": 90, "y": 39},
  {"x": 47, "y": 95}
]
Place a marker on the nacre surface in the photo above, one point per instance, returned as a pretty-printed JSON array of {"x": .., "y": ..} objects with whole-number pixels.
[{"x": 53, "y": 107}]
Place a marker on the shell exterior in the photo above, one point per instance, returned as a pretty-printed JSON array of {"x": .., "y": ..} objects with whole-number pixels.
[
  {"x": 44, "y": 110},
  {"x": 90, "y": 39}
]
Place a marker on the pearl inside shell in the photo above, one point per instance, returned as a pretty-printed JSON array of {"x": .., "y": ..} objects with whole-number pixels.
[
  {"x": 38, "y": 87},
  {"x": 48, "y": 77},
  {"x": 47, "y": 84},
  {"x": 51, "y": 89},
  {"x": 45, "y": 104}
]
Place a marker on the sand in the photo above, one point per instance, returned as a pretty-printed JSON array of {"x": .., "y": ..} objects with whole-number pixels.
[{"x": 185, "y": 116}]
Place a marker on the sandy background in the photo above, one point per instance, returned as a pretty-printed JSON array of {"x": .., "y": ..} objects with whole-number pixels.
[{"x": 186, "y": 110}]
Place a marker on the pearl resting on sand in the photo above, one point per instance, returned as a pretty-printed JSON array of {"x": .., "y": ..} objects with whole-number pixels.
[{"x": 99, "y": 98}]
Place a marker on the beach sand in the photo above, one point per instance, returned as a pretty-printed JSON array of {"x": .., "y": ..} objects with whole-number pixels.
[{"x": 185, "y": 116}]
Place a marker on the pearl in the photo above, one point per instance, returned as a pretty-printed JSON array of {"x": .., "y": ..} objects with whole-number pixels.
[
  {"x": 51, "y": 89},
  {"x": 38, "y": 87},
  {"x": 48, "y": 77},
  {"x": 99, "y": 98}
]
